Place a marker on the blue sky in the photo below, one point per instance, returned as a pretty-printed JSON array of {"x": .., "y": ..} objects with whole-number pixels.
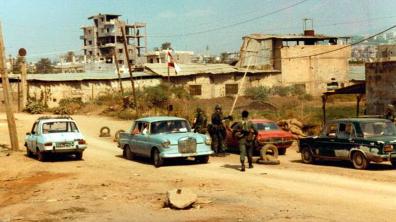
[{"x": 52, "y": 27}]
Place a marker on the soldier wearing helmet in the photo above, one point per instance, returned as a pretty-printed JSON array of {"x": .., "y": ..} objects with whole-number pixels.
[
  {"x": 218, "y": 131},
  {"x": 200, "y": 121}
]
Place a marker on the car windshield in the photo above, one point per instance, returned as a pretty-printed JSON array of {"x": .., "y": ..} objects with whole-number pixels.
[
  {"x": 378, "y": 128},
  {"x": 170, "y": 126},
  {"x": 266, "y": 126},
  {"x": 59, "y": 127}
]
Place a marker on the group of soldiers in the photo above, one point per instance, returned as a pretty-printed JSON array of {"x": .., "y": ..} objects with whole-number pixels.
[{"x": 244, "y": 131}]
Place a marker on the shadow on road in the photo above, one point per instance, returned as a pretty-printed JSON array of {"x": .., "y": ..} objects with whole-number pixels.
[
  {"x": 348, "y": 164},
  {"x": 167, "y": 162},
  {"x": 231, "y": 166},
  {"x": 57, "y": 158}
]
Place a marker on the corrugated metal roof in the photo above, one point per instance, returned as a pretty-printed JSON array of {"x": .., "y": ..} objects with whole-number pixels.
[
  {"x": 259, "y": 36},
  {"x": 190, "y": 69},
  {"x": 62, "y": 77}
]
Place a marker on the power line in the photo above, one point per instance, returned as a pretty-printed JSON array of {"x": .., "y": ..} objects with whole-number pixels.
[{"x": 234, "y": 24}]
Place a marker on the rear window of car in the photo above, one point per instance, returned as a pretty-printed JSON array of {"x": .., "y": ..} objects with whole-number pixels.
[
  {"x": 266, "y": 126},
  {"x": 59, "y": 127}
]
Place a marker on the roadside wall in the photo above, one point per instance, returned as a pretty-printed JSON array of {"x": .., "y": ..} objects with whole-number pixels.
[
  {"x": 380, "y": 86},
  {"x": 53, "y": 92}
]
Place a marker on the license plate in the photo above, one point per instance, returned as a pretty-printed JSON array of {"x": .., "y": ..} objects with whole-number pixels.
[{"x": 63, "y": 145}]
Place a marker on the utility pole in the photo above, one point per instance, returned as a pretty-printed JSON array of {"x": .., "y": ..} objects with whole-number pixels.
[
  {"x": 129, "y": 68},
  {"x": 6, "y": 85},
  {"x": 23, "y": 85},
  {"x": 118, "y": 71}
]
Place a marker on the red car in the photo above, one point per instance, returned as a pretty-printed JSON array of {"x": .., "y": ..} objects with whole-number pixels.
[{"x": 268, "y": 133}]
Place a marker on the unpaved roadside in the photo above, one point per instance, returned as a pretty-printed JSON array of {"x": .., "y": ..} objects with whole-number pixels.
[{"x": 106, "y": 187}]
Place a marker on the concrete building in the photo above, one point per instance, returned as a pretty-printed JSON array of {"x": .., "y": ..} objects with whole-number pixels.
[
  {"x": 380, "y": 86},
  {"x": 298, "y": 59},
  {"x": 104, "y": 38},
  {"x": 207, "y": 81}
]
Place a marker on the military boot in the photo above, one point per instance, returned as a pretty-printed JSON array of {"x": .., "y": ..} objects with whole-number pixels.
[
  {"x": 242, "y": 166},
  {"x": 250, "y": 162}
]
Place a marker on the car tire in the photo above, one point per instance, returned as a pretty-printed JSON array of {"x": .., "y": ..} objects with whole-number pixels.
[
  {"x": 29, "y": 153},
  {"x": 393, "y": 163},
  {"x": 359, "y": 160},
  {"x": 79, "y": 155},
  {"x": 269, "y": 147},
  {"x": 202, "y": 159},
  {"x": 41, "y": 156},
  {"x": 128, "y": 153},
  {"x": 157, "y": 159},
  {"x": 307, "y": 155},
  {"x": 282, "y": 151}
]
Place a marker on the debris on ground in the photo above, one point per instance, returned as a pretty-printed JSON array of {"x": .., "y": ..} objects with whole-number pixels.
[{"x": 180, "y": 198}]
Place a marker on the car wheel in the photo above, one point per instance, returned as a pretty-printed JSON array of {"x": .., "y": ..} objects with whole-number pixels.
[
  {"x": 306, "y": 155},
  {"x": 359, "y": 161},
  {"x": 393, "y": 163},
  {"x": 282, "y": 151},
  {"x": 41, "y": 156},
  {"x": 79, "y": 155},
  {"x": 157, "y": 159},
  {"x": 128, "y": 153},
  {"x": 202, "y": 159},
  {"x": 29, "y": 153}
]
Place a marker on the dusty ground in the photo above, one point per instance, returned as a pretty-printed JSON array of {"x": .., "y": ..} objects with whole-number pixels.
[{"x": 106, "y": 187}]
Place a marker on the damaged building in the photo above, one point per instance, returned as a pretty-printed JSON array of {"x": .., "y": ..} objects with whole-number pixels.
[
  {"x": 103, "y": 41},
  {"x": 312, "y": 61}
]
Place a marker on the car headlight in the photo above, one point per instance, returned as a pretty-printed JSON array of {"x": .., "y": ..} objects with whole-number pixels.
[
  {"x": 208, "y": 140},
  {"x": 166, "y": 143}
]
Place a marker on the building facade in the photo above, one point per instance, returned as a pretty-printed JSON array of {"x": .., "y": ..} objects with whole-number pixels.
[
  {"x": 310, "y": 60},
  {"x": 103, "y": 41}
]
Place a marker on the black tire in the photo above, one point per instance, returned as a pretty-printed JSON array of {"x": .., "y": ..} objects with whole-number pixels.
[
  {"x": 202, "y": 159},
  {"x": 359, "y": 160},
  {"x": 128, "y": 153},
  {"x": 104, "y": 132},
  {"x": 282, "y": 151},
  {"x": 157, "y": 159},
  {"x": 117, "y": 135},
  {"x": 273, "y": 150},
  {"x": 393, "y": 163},
  {"x": 41, "y": 156},
  {"x": 307, "y": 155},
  {"x": 79, "y": 155},
  {"x": 29, "y": 153}
]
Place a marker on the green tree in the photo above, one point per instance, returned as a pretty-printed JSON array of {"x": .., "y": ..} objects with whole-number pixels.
[
  {"x": 44, "y": 65},
  {"x": 69, "y": 56},
  {"x": 16, "y": 68}
]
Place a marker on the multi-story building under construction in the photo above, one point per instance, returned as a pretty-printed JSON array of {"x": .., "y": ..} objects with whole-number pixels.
[{"x": 103, "y": 41}]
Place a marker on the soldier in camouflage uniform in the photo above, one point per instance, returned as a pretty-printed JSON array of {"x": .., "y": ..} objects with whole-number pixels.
[
  {"x": 246, "y": 134},
  {"x": 200, "y": 122},
  {"x": 218, "y": 131}
]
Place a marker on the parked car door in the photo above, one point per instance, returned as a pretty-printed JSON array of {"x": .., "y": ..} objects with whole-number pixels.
[
  {"x": 324, "y": 145},
  {"x": 345, "y": 140},
  {"x": 32, "y": 138}
]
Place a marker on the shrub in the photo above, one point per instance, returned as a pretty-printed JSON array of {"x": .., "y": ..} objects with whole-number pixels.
[
  {"x": 306, "y": 97},
  {"x": 157, "y": 96},
  {"x": 127, "y": 114},
  {"x": 35, "y": 107},
  {"x": 258, "y": 93},
  {"x": 281, "y": 90},
  {"x": 68, "y": 106}
]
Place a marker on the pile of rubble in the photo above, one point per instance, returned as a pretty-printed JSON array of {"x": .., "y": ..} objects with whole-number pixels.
[{"x": 294, "y": 126}]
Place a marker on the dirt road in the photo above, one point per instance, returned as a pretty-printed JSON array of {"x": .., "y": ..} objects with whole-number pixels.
[{"x": 106, "y": 187}]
